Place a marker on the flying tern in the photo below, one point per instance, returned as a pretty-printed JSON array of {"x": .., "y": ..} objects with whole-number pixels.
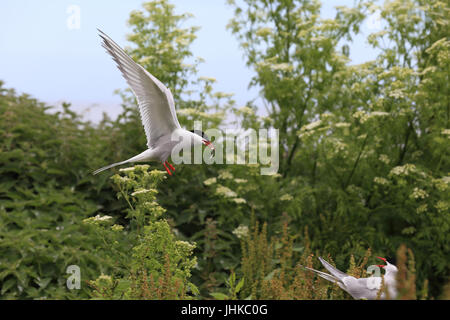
[
  {"x": 157, "y": 109},
  {"x": 362, "y": 288}
]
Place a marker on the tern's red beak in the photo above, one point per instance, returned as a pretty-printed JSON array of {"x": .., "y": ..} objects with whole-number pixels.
[
  {"x": 208, "y": 143},
  {"x": 381, "y": 265}
]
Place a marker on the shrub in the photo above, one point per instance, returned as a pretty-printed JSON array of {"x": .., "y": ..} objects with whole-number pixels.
[{"x": 159, "y": 266}]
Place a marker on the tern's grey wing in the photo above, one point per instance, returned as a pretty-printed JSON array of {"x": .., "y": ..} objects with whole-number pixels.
[
  {"x": 335, "y": 272},
  {"x": 156, "y": 104},
  {"x": 363, "y": 288}
]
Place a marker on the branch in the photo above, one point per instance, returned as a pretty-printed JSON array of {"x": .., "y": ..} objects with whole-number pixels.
[
  {"x": 291, "y": 154},
  {"x": 403, "y": 151},
  {"x": 356, "y": 162}
]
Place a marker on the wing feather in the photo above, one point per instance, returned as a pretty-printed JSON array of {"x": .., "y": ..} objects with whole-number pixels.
[
  {"x": 156, "y": 104},
  {"x": 324, "y": 275},
  {"x": 335, "y": 272}
]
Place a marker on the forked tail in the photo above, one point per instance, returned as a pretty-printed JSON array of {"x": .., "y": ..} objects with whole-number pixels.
[
  {"x": 144, "y": 156},
  {"x": 324, "y": 275},
  {"x": 109, "y": 167}
]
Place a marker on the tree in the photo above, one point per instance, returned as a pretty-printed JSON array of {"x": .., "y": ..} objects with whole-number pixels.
[
  {"x": 363, "y": 145},
  {"x": 294, "y": 54}
]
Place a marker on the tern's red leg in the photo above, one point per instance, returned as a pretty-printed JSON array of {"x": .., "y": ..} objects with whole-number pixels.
[
  {"x": 167, "y": 169},
  {"x": 171, "y": 166}
]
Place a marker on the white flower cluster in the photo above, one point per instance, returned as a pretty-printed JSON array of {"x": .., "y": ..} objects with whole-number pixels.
[
  {"x": 326, "y": 115},
  {"x": 423, "y": 208},
  {"x": 361, "y": 116},
  {"x": 210, "y": 181},
  {"x": 342, "y": 125},
  {"x": 208, "y": 79},
  {"x": 246, "y": 110},
  {"x": 441, "y": 184},
  {"x": 104, "y": 277},
  {"x": 102, "y": 218},
  {"x": 308, "y": 130},
  {"x": 442, "y": 206},
  {"x": 397, "y": 94},
  {"x": 311, "y": 125},
  {"x": 123, "y": 179},
  {"x": 143, "y": 191},
  {"x": 195, "y": 112},
  {"x": 338, "y": 145},
  {"x": 286, "y": 197},
  {"x": 226, "y": 192},
  {"x": 281, "y": 67},
  {"x": 241, "y": 231},
  {"x": 379, "y": 114},
  {"x": 403, "y": 170},
  {"x": 97, "y": 219},
  {"x": 264, "y": 31},
  {"x": 186, "y": 245},
  {"x": 418, "y": 194},
  {"x": 117, "y": 228},
  {"x": 384, "y": 158},
  {"x": 223, "y": 174},
  {"x": 381, "y": 180}
]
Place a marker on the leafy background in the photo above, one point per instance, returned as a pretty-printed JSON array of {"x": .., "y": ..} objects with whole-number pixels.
[{"x": 364, "y": 163}]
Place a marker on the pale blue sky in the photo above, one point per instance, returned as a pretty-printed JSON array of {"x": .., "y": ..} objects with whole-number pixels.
[{"x": 41, "y": 56}]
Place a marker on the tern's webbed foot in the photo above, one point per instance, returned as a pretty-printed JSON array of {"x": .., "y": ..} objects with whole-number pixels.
[{"x": 167, "y": 169}]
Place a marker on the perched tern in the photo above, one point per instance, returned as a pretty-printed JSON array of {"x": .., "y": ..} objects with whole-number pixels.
[
  {"x": 362, "y": 288},
  {"x": 157, "y": 109}
]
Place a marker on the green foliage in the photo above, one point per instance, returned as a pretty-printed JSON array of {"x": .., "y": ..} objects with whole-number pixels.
[
  {"x": 363, "y": 151},
  {"x": 233, "y": 289},
  {"x": 44, "y": 194},
  {"x": 293, "y": 52},
  {"x": 160, "y": 266},
  {"x": 161, "y": 44},
  {"x": 364, "y": 147}
]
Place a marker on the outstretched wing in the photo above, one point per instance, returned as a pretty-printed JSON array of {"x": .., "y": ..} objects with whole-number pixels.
[{"x": 156, "y": 104}]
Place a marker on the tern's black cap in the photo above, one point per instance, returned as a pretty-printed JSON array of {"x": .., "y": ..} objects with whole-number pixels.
[{"x": 200, "y": 133}]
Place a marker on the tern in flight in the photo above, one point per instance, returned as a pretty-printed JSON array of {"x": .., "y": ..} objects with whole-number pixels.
[
  {"x": 362, "y": 288},
  {"x": 157, "y": 109}
]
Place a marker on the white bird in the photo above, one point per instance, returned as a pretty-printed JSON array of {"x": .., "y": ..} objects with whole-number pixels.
[
  {"x": 157, "y": 109},
  {"x": 362, "y": 288}
]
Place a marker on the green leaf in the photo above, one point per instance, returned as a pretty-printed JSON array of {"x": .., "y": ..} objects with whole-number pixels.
[
  {"x": 239, "y": 285},
  {"x": 219, "y": 296},
  {"x": 8, "y": 284}
]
